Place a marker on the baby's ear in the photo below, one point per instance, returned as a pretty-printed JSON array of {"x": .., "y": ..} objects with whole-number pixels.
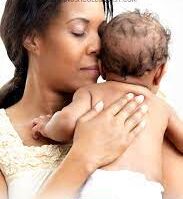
[
  {"x": 161, "y": 70},
  {"x": 102, "y": 28}
]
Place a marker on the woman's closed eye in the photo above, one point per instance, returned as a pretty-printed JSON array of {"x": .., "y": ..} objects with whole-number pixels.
[
  {"x": 78, "y": 27},
  {"x": 79, "y": 33}
]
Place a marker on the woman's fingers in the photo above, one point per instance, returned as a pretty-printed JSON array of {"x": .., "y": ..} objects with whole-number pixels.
[
  {"x": 136, "y": 118},
  {"x": 93, "y": 112},
  {"x": 129, "y": 108},
  {"x": 122, "y": 108},
  {"x": 138, "y": 129},
  {"x": 114, "y": 108}
]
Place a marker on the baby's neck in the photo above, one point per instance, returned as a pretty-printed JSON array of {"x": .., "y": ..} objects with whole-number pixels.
[{"x": 127, "y": 80}]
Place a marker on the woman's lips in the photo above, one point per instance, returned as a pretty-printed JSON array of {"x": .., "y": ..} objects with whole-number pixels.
[{"x": 91, "y": 69}]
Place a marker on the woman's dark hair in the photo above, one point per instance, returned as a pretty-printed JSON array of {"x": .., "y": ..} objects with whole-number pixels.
[{"x": 21, "y": 18}]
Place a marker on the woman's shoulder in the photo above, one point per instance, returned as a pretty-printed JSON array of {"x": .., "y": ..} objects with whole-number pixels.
[
  {"x": 3, "y": 119},
  {"x": 2, "y": 111},
  {"x": 3, "y": 115},
  {"x": 7, "y": 134}
]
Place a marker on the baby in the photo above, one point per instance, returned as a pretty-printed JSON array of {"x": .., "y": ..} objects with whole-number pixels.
[{"x": 134, "y": 51}]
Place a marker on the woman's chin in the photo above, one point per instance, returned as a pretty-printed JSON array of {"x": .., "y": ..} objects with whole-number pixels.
[
  {"x": 86, "y": 83},
  {"x": 71, "y": 88}
]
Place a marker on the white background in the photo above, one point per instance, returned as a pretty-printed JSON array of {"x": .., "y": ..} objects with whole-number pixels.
[{"x": 170, "y": 13}]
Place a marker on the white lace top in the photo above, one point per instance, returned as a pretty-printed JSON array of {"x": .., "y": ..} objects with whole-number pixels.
[{"x": 25, "y": 168}]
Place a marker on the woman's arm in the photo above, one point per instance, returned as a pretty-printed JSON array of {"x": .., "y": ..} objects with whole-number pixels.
[
  {"x": 3, "y": 187},
  {"x": 94, "y": 145},
  {"x": 69, "y": 177}
]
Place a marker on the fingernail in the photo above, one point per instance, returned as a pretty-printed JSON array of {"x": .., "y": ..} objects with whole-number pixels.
[
  {"x": 139, "y": 99},
  {"x": 143, "y": 124},
  {"x": 130, "y": 96},
  {"x": 144, "y": 108},
  {"x": 99, "y": 106}
]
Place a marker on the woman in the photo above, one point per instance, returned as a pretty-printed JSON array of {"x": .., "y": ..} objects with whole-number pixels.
[{"x": 54, "y": 46}]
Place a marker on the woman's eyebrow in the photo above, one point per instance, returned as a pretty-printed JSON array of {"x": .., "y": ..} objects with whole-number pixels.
[{"x": 79, "y": 19}]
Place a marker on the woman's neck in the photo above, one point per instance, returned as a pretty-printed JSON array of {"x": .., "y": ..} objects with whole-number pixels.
[{"x": 38, "y": 99}]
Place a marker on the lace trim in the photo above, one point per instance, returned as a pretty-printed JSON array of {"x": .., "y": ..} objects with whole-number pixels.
[{"x": 16, "y": 157}]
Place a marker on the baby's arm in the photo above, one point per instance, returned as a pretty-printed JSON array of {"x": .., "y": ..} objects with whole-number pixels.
[
  {"x": 175, "y": 130},
  {"x": 62, "y": 124}
]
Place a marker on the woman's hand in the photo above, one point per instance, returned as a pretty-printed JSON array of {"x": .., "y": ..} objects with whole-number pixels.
[{"x": 101, "y": 136}]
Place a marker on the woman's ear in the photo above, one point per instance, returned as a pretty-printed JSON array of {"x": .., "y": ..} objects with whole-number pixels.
[
  {"x": 32, "y": 43},
  {"x": 161, "y": 70}
]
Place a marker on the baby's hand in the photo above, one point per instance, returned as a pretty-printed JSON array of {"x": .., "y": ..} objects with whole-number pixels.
[{"x": 38, "y": 126}]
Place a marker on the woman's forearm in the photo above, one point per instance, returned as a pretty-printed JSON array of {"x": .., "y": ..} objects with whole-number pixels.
[{"x": 67, "y": 180}]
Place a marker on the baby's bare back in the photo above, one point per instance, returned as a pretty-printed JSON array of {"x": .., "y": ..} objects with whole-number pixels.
[{"x": 145, "y": 152}]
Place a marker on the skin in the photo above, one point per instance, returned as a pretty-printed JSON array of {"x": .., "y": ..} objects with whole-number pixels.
[
  {"x": 46, "y": 51},
  {"x": 46, "y": 56},
  {"x": 59, "y": 51},
  {"x": 172, "y": 171},
  {"x": 3, "y": 187}
]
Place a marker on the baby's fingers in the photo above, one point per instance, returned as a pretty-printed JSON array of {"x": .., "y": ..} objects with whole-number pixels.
[
  {"x": 35, "y": 121},
  {"x": 35, "y": 133}
]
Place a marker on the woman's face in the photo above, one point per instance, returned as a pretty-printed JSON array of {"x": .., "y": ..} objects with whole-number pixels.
[{"x": 69, "y": 47}]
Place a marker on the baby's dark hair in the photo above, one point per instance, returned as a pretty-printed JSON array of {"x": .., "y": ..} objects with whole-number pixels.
[{"x": 133, "y": 43}]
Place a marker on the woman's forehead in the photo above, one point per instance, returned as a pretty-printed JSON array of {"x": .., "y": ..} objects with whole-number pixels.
[{"x": 91, "y": 11}]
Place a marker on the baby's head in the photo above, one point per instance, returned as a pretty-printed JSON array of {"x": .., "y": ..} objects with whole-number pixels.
[{"x": 134, "y": 49}]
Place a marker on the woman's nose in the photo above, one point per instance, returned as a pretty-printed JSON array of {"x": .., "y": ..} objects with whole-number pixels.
[{"x": 94, "y": 45}]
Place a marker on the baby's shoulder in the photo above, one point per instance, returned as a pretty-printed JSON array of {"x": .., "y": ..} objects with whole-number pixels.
[
  {"x": 108, "y": 92},
  {"x": 105, "y": 87}
]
